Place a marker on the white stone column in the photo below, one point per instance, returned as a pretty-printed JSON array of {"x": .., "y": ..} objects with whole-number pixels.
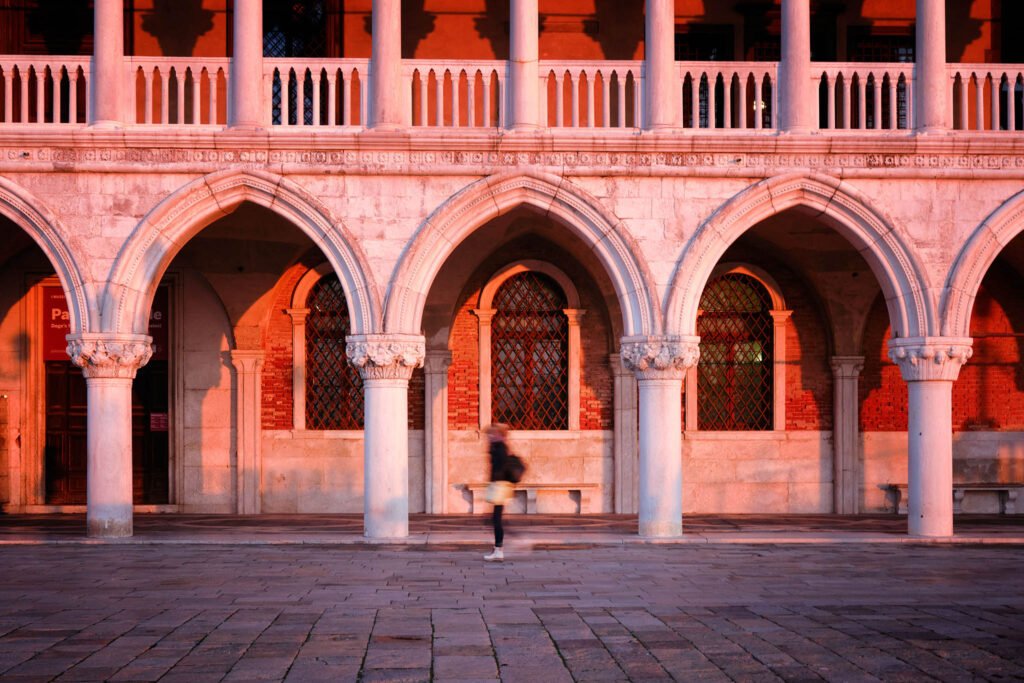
[
  {"x": 386, "y": 86},
  {"x": 386, "y": 362},
  {"x": 779, "y": 320},
  {"x": 625, "y": 436},
  {"x": 931, "y": 82},
  {"x": 575, "y": 365},
  {"x": 659, "y": 364},
  {"x": 798, "y": 102},
  {"x": 298, "y": 316},
  {"x": 108, "y": 67},
  {"x": 929, "y": 365},
  {"x": 845, "y": 433},
  {"x": 484, "y": 364},
  {"x": 662, "y": 91},
  {"x": 247, "y": 96},
  {"x": 248, "y": 430},
  {"x": 109, "y": 363},
  {"x": 435, "y": 456},
  {"x": 524, "y": 70}
]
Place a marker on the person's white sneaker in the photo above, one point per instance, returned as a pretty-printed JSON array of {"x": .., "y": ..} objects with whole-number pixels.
[{"x": 497, "y": 555}]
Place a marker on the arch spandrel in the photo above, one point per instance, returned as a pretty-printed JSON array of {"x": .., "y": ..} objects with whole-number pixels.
[
  {"x": 171, "y": 224},
  {"x": 973, "y": 261},
  {"x": 903, "y": 282},
  {"x": 548, "y": 195},
  {"x": 46, "y": 231}
]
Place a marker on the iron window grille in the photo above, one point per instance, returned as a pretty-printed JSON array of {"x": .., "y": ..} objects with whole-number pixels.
[
  {"x": 530, "y": 354},
  {"x": 334, "y": 389},
  {"x": 734, "y": 374}
]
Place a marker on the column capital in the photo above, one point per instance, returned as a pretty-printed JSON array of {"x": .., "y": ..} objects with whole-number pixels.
[
  {"x": 298, "y": 315},
  {"x": 484, "y": 315},
  {"x": 247, "y": 360},
  {"x": 110, "y": 355},
  {"x": 657, "y": 357},
  {"x": 436, "y": 362},
  {"x": 780, "y": 316},
  {"x": 574, "y": 315},
  {"x": 847, "y": 367},
  {"x": 386, "y": 356},
  {"x": 923, "y": 359}
]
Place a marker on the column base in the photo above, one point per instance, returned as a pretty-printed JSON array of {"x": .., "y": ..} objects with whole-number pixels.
[
  {"x": 106, "y": 125},
  {"x": 109, "y": 527},
  {"x": 384, "y": 530},
  {"x": 661, "y": 529},
  {"x": 934, "y": 130}
]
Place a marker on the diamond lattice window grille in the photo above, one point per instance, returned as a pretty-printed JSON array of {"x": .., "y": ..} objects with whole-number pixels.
[
  {"x": 530, "y": 354},
  {"x": 734, "y": 375},
  {"x": 334, "y": 389}
]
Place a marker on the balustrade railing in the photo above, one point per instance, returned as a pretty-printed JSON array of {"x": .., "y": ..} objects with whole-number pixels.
[
  {"x": 865, "y": 95},
  {"x": 729, "y": 95},
  {"x": 987, "y": 97},
  {"x": 317, "y": 93},
  {"x": 44, "y": 89},
  {"x": 178, "y": 91},
  {"x": 457, "y": 94},
  {"x": 587, "y": 94}
]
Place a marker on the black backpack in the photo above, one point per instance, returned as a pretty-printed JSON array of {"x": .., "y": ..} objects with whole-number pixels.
[{"x": 515, "y": 468}]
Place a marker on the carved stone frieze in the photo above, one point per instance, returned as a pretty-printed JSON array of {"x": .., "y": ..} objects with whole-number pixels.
[
  {"x": 930, "y": 358},
  {"x": 110, "y": 355},
  {"x": 659, "y": 357},
  {"x": 386, "y": 356}
]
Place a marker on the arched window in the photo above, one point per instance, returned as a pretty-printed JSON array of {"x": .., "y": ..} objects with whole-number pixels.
[
  {"x": 735, "y": 383},
  {"x": 334, "y": 390},
  {"x": 530, "y": 353}
]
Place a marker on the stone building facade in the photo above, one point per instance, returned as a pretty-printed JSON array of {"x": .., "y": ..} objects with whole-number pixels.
[{"x": 761, "y": 258}]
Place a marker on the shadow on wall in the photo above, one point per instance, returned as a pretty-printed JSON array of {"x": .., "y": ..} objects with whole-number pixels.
[
  {"x": 177, "y": 25},
  {"x": 62, "y": 24}
]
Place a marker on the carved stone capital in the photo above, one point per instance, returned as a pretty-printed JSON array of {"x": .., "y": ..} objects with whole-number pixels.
[
  {"x": 110, "y": 355},
  {"x": 930, "y": 358},
  {"x": 659, "y": 357},
  {"x": 847, "y": 367},
  {"x": 386, "y": 356},
  {"x": 437, "y": 362}
]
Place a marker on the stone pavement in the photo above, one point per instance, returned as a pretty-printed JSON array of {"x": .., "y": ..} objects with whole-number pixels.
[{"x": 559, "y": 610}]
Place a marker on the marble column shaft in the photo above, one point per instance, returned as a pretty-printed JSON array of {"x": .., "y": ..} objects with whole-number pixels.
[
  {"x": 524, "y": 68},
  {"x": 799, "y": 103},
  {"x": 108, "y": 67},
  {"x": 247, "y": 66},
  {"x": 663, "y": 92},
  {"x": 931, "y": 101},
  {"x": 386, "y": 86}
]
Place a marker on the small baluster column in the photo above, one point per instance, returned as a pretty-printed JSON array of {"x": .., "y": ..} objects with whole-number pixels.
[
  {"x": 109, "y": 363},
  {"x": 929, "y": 366},
  {"x": 386, "y": 362},
  {"x": 107, "y": 64},
  {"x": 932, "y": 81},
  {"x": 659, "y": 364}
]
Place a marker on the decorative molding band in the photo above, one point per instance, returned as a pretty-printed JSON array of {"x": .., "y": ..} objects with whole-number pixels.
[
  {"x": 659, "y": 357},
  {"x": 386, "y": 356},
  {"x": 110, "y": 355},
  {"x": 922, "y": 359},
  {"x": 495, "y": 161}
]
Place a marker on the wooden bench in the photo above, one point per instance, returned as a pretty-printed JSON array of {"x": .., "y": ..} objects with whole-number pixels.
[
  {"x": 584, "y": 492},
  {"x": 1007, "y": 496}
]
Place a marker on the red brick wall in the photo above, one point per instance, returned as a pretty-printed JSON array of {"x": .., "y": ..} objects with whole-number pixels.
[
  {"x": 277, "y": 366},
  {"x": 808, "y": 373},
  {"x": 596, "y": 383},
  {"x": 989, "y": 392},
  {"x": 883, "y": 393}
]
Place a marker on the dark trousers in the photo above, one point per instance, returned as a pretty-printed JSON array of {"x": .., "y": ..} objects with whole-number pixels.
[{"x": 499, "y": 531}]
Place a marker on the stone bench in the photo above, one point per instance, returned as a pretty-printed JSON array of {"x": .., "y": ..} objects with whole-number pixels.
[
  {"x": 1007, "y": 494},
  {"x": 532, "y": 492}
]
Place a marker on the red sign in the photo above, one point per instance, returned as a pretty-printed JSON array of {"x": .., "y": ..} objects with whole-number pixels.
[{"x": 57, "y": 323}]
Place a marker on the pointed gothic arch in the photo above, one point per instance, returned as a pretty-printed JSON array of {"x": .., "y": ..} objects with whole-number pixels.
[
  {"x": 174, "y": 221},
  {"x": 43, "y": 227},
  {"x": 840, "y": 206},
  {"x": 486, "y": 199}
]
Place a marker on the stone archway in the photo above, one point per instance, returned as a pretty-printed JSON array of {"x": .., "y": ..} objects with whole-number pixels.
[
  {"x": 491, "y": 197},
  {"x": 842, "y": 207},
  {"x": 162, "y": 233}
]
